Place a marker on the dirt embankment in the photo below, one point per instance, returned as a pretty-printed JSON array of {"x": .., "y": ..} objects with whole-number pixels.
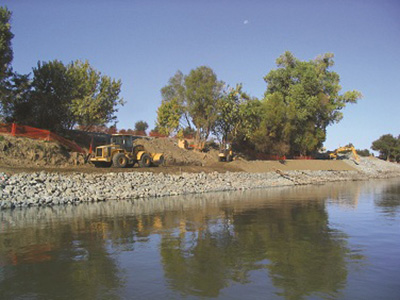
[
  {"x": 26, "y": 153},
  {"x": 19, "y": 154}
]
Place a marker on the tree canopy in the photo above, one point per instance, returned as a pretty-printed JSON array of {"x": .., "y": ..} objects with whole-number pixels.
[
  {"x": 169, "y": 114},
  {"x": 301, "y": 100},
  {"x": 141, "y": 126},
  {"x": 203, "y": 90},
  {"x": 6, "y": 52},
  {"x": 388, "y": 147},
  {"x": 95, "y": 96},
  {"x": 62, "y": 96},
  {"x": 8, "y": 83},
  {"x": 229, "y": 114},
  {"x": 190, "y": 99}
]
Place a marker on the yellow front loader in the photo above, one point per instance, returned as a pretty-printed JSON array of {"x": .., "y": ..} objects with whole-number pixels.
[{"x": 121, "y": 153}]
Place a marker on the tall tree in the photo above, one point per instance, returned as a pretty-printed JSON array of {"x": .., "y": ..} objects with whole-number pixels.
[
  {"x": 203, "y": 91},
  {"x": 95, "y": 96},
  {"x": 229, "y": 119},
  {"x": 308, "y": 96},
  {"x": 176, "y": 89},
  {"x": 50, "y": 100},
  {"x": 13, "y": 87},
  {"x": 65, "y": 95},
  {"x": 6, "y": 52},
  {"x": 15, "y": 103}
]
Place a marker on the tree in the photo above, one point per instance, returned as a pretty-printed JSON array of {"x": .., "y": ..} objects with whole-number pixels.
[
  {"x": 14, "y": 87},
  {"x": 51, "y": 97},
  {"x": 388, "y": 147},
  {"x": 168, "y": 115},
  {"x": 62, "y": 96},
  {"x": 363, "y": 152},
  {"x": 6, "y": 52},
  {"x": 95, "y": 96},
  {"x": 302, "y": 99},
  {"x": 176, "y": 89},
  {"x": 141, "y": 126},
  {"x": 229, "y": 119},
  {"x": 203, "y": 91},
  {"x": 15, "y": 96},
  {"x": 271, "y": 134}
]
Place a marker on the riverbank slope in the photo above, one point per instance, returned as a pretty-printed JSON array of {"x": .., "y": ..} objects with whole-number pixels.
[{"x": 46, "y": 188}]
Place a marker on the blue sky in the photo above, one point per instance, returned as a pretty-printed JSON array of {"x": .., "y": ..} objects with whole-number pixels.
[{"x": 144, "y": 43}]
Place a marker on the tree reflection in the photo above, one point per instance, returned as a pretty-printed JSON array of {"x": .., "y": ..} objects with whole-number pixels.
[
  {"x": 292, "y": 241},
  {"x": 59, "y": 261},
  {"x": 389, "y": 199},
  {"x": 305, "y": 255}
]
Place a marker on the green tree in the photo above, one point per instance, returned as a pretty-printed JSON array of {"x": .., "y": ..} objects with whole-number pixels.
[
  {"x": 6, "y": 52},
  {"x": 388, "y": 147},
  {"x": 250, "y": 117},
  {"x": 175, "y": 89},
  {"x": 229, "y": 119},
  {"x": 14, "y": 88},
  {"x": 302, "y": 99},
  {"x": 141, "y": 126},
  {"x": 62, "y": 96},
  {"x": 203, "y": 91},
  {"x": 363, "y": 152},
  {"x": 51, "y": 97},
  {"x": 95, "y": 96},
  {"x": 15, "y": 99},
  {"x": 168, "y": 116},
  {"x": 271, "y": 135}
]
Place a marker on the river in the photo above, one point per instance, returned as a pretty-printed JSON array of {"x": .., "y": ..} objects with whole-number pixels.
[{"x": 332, "y": 241}]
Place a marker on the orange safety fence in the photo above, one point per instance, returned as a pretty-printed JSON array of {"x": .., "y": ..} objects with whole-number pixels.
[
  {"x": 157, "y": 134},
  {"x": 36, "y": 133}
]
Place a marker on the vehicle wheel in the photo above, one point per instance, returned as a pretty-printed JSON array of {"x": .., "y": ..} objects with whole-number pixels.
[
  {"x": 221, "y": 158},
  {"x": 120, "y": 160},
  {"x": 145, "y": 161}
]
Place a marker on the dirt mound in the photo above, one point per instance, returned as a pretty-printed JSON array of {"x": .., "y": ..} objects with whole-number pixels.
[
  {"x": 20, "y": 151},
  {"x": 177, "y": 156},
  {"x": 259, "y": 166}
]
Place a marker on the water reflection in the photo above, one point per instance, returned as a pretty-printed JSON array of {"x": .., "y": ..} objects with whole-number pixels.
[
  {"x": 388, "y": 199},
  {"x": 205, "y": 243}
]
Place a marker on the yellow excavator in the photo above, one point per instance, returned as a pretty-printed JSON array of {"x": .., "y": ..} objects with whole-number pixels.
[{"x": 334, "y": 155}]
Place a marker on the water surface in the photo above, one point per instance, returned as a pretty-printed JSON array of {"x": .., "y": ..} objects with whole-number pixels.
[{"x": 334, "y": 241}]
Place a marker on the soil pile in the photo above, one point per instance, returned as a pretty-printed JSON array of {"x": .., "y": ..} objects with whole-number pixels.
[
  {"x": 176, "y": 156},
  {"x": 20, "y": 151},
  {"x": 261, "y": 166}
]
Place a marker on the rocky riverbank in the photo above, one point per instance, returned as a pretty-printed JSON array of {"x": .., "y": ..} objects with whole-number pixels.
[{"x": 47, "y": 189}]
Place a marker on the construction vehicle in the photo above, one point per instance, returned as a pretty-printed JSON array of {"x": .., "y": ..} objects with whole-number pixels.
[
  {"x": 121, "y": 153},
  {"x": 225, "y": 153},
  {"x": 334, "y": 155}
]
